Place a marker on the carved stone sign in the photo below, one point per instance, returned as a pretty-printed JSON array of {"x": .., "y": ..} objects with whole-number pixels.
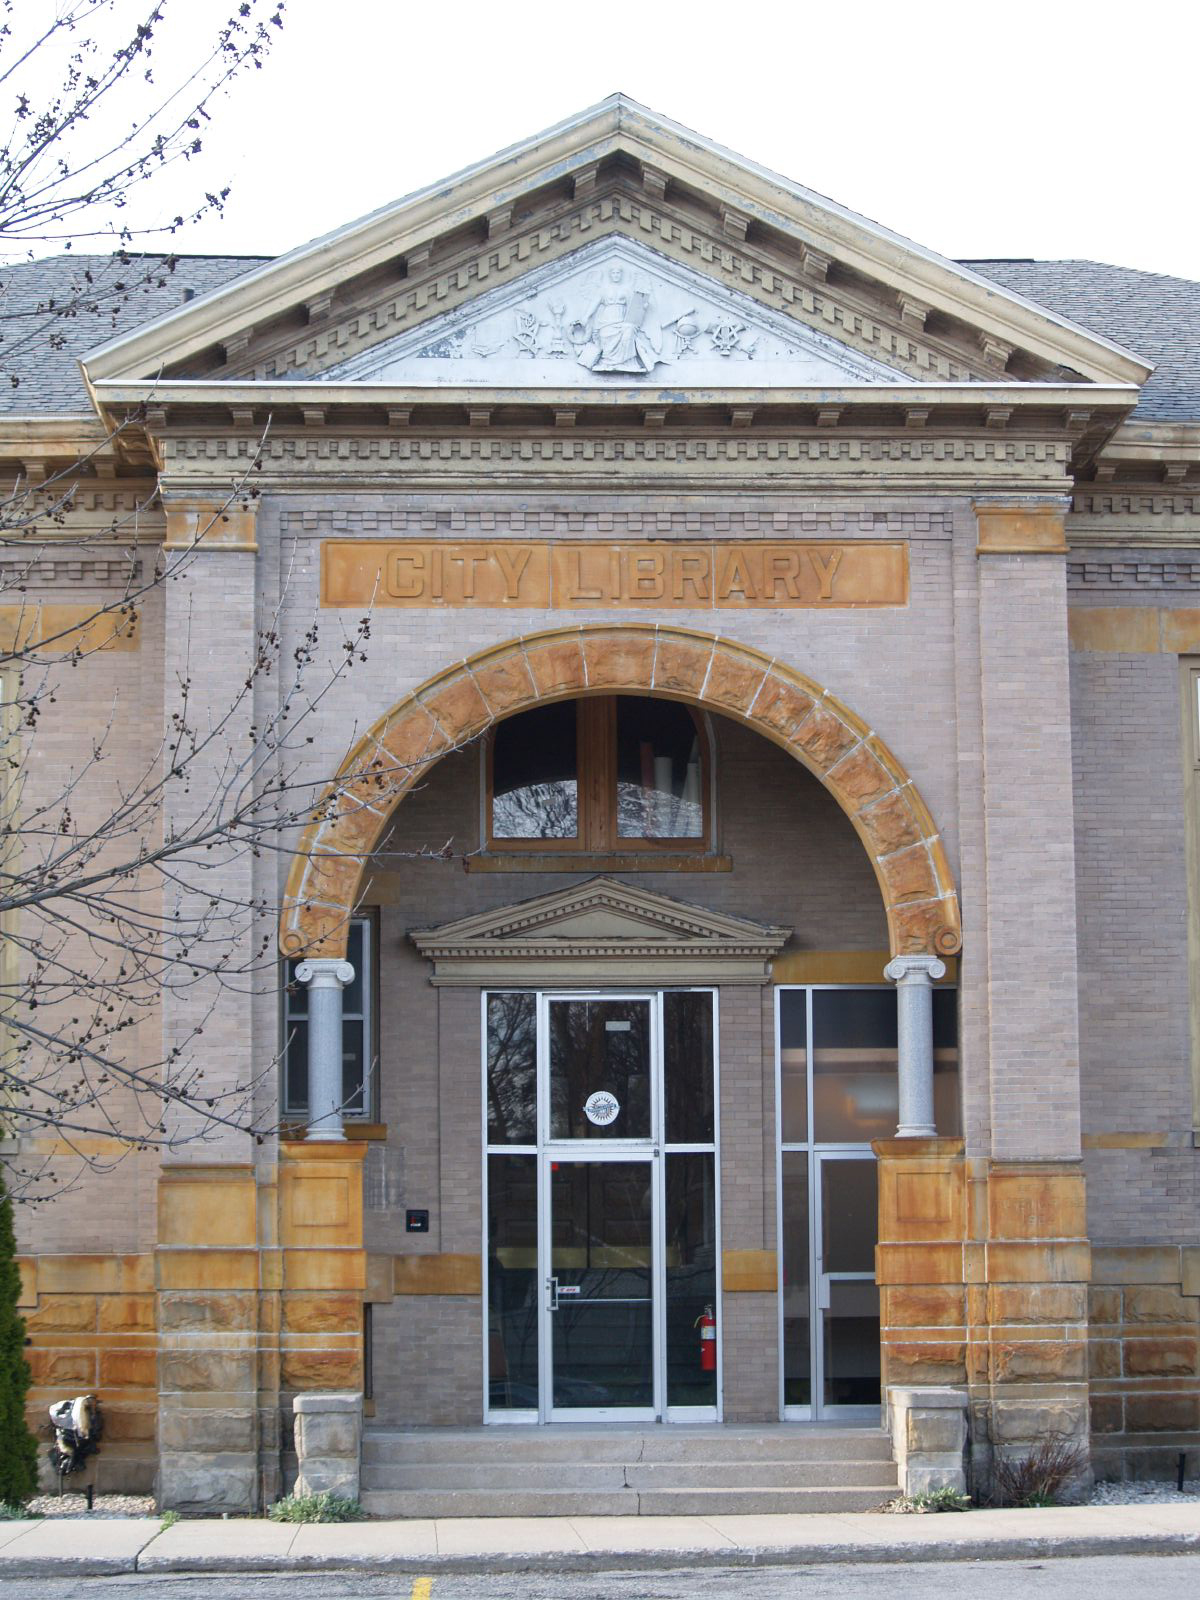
[
  {"x": 553, "y": 575},
  {"x": 614, "y": 313}
]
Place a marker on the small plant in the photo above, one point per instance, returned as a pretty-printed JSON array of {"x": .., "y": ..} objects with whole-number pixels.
[
  {"x": 169, "y": 1519},
  {"x": 930, "y": 1500},
  {"x": 1039, "y": 1478},
  {"x": 11, "y": 1513},
  {"x": 326, "y": 1507}
]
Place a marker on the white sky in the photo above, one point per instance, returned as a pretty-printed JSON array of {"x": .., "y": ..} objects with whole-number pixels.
[{"x": 1017, "y": 129}]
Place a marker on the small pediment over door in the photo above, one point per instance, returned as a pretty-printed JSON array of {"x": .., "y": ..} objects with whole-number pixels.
[{"x": 601, "y": 932}]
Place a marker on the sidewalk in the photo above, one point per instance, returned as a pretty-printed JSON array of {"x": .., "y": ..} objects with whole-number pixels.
[{"x": 582, "y": 1544}]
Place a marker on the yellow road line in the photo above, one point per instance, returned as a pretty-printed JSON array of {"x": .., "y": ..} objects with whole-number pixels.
[{"x": 422, "y": 1588}]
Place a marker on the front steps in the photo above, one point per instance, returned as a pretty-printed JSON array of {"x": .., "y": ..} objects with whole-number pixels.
[{"x": 678, "y": 1471}]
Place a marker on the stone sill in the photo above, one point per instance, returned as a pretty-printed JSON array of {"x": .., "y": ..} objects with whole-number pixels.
[{"x": 575, "y": 861}]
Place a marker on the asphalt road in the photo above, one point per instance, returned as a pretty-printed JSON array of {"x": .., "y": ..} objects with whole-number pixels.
[{"x": 1099, "y": 1578}]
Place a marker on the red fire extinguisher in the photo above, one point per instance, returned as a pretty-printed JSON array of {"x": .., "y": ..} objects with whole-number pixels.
[{"x": 707, "y": 1324}]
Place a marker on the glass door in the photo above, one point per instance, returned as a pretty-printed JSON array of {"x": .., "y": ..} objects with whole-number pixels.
[
  {"x": 601, "y": 1343},
  {"x": 601, "y": 1226},
  {"x": 847, "y": 1301},
  {"x": 602, "y": 1231}
]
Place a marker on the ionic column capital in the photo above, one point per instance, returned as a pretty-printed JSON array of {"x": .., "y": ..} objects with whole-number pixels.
[
  {"x": 915, "y": 969},
  {"x": 325, "y": 972}
]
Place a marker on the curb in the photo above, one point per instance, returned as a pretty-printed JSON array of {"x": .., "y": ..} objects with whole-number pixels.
[{"x": 841, "y": 1553}]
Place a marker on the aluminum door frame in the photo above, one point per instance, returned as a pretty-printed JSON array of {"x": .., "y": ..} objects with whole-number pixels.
[
  {"x": 819, "y": 1278},
  {"x": 586, "y": 1150}
]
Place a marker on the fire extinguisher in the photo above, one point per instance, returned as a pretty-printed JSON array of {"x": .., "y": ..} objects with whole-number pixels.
[{"x": 707, "y": 1324}]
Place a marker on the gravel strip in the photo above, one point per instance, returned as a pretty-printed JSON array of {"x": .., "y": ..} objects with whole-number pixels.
[
  {"x": 1143, "y": 1493},
  {"x": 107, "y": 1506}
]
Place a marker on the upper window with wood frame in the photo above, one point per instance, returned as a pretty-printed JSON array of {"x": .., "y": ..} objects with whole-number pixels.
[{"x": 613, "y": 772}]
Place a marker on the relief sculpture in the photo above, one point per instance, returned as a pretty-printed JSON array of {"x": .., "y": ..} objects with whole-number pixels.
[{"x": 611, "y": 313}]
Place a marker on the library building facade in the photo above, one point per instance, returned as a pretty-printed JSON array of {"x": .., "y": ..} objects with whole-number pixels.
[{"x": 736, "y": 963}]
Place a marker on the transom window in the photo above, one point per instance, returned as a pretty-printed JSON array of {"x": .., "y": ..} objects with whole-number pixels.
[{"x": 616, "y": 772}]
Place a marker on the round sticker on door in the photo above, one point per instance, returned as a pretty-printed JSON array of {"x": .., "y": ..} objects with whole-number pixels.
[{"x": 602, "y": 1108}]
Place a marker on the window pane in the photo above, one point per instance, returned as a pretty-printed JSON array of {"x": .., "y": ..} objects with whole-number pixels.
[
  {"x": 295, "y": 1066},
  {"x": 658, "y": 771},
  {"x": 512, "y": 1283},
  {"x": 352, "y": 994},
  {"x": 851, "y": 1333},
  {"x": 688, "y": 1066},
  {"x": 793, "y": 1053},
  {"x": 354, "y": 1069},
  {"x": 856, "y": 1096},
  {"x": 535, "y": 793},
  {"x": 511, "y": 1068},
  {"x": 599, "y": 1069},
  {"x": 849, "y": 1215},
  {"x": 797, "y": 1349},
  {"x": 691, "y": 1252},
  {"x": 947, "y": 1107}
]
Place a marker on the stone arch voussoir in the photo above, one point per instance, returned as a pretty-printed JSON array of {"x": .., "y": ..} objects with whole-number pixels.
[{"x": 822, "y": 733}]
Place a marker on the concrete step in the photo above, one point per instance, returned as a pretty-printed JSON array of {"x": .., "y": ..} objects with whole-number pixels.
[
  {"x": 503, "y": 1446},
  {"x": 604, "y": 1475},
  {"x": 618, "y": 1502}
]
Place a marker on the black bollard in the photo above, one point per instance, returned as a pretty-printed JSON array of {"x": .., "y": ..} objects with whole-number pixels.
[
  {"x": 1180, "y": 1469},
  {"x": 90, "y": 1491}
]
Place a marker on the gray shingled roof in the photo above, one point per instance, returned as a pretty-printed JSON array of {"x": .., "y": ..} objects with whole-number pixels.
[
  {"x": 53, "y": 311},
  {"x": 1151, "y": 314}
]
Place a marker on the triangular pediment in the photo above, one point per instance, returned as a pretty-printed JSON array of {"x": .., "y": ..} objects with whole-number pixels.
[
  {"x": 601, "y": 930},
  {"x": 501, "y": 278},
  {"x": 614, "y": 312}
]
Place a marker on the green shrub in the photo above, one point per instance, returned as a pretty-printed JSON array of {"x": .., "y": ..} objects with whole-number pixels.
[
  {"x": 931, "y": 1500},
  {"x": 324, "y": 1507},
  {"x": 18, "y": 1447}
]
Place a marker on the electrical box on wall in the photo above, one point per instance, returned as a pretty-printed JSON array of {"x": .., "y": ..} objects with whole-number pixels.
[{"x": 416, "y": 1222}]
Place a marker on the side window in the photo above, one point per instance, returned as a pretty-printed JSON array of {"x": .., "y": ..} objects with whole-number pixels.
[{"x": 358, "y": 1055}]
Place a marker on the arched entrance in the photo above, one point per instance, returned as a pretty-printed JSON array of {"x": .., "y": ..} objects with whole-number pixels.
[{"x": 818, "y": 730}]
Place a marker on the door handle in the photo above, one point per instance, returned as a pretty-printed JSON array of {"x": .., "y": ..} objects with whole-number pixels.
[
  {"x": 552, "y": 1291},
  {"x": 823, "y": 1293}
]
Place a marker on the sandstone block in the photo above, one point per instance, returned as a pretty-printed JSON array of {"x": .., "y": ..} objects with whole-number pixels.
[
  {"x": 52, "y": 1368},
  {"x": 126, "y": 1313},
  {"x": 332, "y": 1475},
  {"x": 1162, "y": 1413},
  {"x": 1108, "y": 1414},
  {"x": 225, "y": 1371},
  {"x": 1104, "y": 1305},
  {"x": 331, "y": 1313},
  {"x": 184, "y": 1429},
  {"x": 1038, "y": 1360},
  {"x": 824, "y": 739},
  {"x": 619, "y": 660},
  {"x": 128, "y": 1369},
  {"x": 1161, "y": 1303},
  {"x": 63, "y": 1313},
  {"x": 1032, "y": 1420},
  {"x": 208, "y": 1485},
  {"x": 1165, "y": 1358},
  {"x": 890, "y": 824},
  {"x": 780, "y": 706},
  {"x": 227, "y": 1312},
  {"x": 934, "y": 1432},
  {"x": 327, "y": 1433},
  {"x": 1041, "y": 1302},
  {"x": 1104, "y": 1358}
]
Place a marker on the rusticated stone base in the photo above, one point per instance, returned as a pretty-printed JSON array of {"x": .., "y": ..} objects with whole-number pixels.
[
  {"x": 1144, "y": 1360},
  {"x": 929, "y": 1437},
  {"x": 983, "y": 1269}
]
